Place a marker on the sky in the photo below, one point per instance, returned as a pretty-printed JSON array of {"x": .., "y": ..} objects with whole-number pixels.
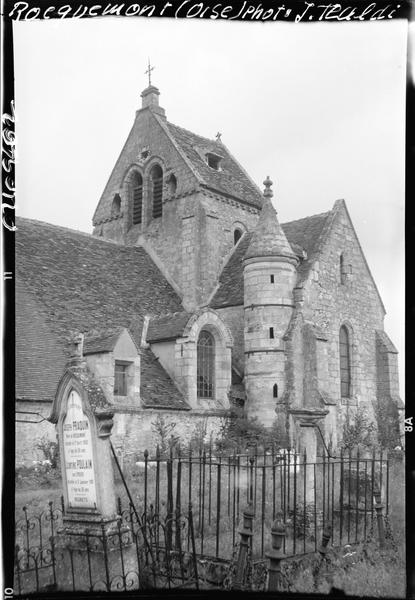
[{"x": 320, "y": 108}]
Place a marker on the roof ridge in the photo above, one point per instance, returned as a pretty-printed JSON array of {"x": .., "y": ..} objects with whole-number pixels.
[
  {"x": 325, "y": 214},
  {"x": 193, "y": 133},
  {"x": 169, "y": 314},
  {"x": 244, "y": 171},
  {"x": 100, "y": 332},
  {"x": 63, "y": 228}
]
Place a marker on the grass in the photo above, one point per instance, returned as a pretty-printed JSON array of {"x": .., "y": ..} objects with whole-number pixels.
[
  {"x": 367, "y": 573},
  {"x": 363, "y": 570}
]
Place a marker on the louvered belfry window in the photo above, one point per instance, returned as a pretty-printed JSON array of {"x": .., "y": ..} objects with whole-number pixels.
[
  {"x": 156, "y": 177},
  {"x": 344, "y": 362},
  {"x": 205, "y": 365},
  {"x": 137, "y": 198}
]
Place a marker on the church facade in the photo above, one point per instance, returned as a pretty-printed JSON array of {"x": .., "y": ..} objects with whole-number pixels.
[{"x": 190, "y": 298}]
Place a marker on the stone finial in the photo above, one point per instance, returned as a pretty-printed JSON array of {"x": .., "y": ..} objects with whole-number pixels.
[
  {"x": 268, "y": 237},
  {"x": 268, "y": 193}
]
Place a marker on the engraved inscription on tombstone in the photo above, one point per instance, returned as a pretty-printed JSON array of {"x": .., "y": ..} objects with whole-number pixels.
[{"x": 78, "y": 455}]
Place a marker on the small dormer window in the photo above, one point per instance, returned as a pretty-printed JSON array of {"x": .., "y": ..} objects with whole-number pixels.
[
  {"x": 213, "y": 160},
  {"x": 121, "y": 378}
]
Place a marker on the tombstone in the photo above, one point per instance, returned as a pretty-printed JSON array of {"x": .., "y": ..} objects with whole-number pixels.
[
  {"x": 92, "y": 531},
  {"x": 84, "y": 420}
]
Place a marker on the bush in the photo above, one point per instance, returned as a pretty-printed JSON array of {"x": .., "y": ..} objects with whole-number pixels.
[
  {"x": 199, "y": 440},
  {"x": 241, "y": 433},
  {"x": 50, "y": 451},
  {"x": 41, "y": 473},
  {"x": 359, "y": 433},
  {"x": 163, "y": 431}
]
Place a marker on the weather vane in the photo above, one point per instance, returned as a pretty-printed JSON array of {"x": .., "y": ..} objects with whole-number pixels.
[{"x": 149, "y": 69}]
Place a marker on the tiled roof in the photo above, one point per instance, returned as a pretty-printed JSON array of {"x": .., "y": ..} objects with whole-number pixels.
[
  {"x": 306, "y": 233},
  {"x": 230, "y": 179},
  {"x": 268, "y": 238},
  {"x": 104, "y": 341},
  {"x": 231, "y": 285},
  {"x": 167, "y": 327},
  {"x": 83, "y": 282},
  {"x": 157, "y": 389},
  {"x": 40, "y": 359},
  {"x": 303, "y": 233}
]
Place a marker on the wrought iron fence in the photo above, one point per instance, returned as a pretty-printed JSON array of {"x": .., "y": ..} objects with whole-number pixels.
[
  {"x": 305, "y": 494},
  {"x": 184, "y": 529},
  {"x": 139, "y": 552}
]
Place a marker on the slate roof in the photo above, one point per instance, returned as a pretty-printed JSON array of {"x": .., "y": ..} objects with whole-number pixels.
[
  {"x": 303, "y": 233},
  {"x": 167, "y": 327},
  {"x": 268, "y": 238},
  {"x": 81, "y": 282},
  {"x": 157, "y": 389},
  {"x": 232, "y": 179},
  {"x": 104, "y": 341},
  {"x": 231, "y": 290},
  {"x": 40, "y": 359}
]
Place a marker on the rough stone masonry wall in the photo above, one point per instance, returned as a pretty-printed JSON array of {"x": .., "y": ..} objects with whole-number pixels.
[
  {"x": 233, "y": 317},
  {"x": 146, "y": 132},
  {"x": 198, "y": 230},
  {"x": 27, "y": 435},
  {"x": 219, "y": 217},
  {"x": 268, "y": 303},
  {"x": 133, "y": 431},
  {"x": 329, "y": 303},
  {"x": 389, "y": 403},
  {"x": 191, "y": 240}
]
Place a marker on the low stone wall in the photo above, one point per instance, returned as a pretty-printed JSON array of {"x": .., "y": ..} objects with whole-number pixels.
[
  {"x": 134, "y": 432},
  {"x": 28, "y": 434}
]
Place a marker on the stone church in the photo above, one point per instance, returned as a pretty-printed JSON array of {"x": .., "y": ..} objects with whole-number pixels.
[{"x": 191, "y": 298}]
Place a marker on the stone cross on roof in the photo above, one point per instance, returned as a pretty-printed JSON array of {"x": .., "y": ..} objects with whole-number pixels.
[{"x": 148, "y": 72}]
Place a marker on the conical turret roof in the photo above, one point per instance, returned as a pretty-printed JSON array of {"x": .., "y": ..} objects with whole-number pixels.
[{"x": 268, "y": 238}]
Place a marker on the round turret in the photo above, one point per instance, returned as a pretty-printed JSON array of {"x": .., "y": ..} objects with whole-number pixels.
[{"x": 269, "y": 279}]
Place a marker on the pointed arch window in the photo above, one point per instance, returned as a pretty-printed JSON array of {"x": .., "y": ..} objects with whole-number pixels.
[
  {"x": 156, "y": 189},
  {"x": 137, "y": 198},
  {"x": 205, "y": 365},
  {"x": 345, "y": 372}
]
